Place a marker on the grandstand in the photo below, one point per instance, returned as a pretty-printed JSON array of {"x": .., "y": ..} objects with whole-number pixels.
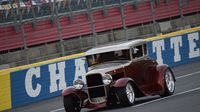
[{"x": 37, "y": 30}]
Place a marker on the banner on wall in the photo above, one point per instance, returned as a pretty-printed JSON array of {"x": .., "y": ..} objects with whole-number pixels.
[
  {"x": 42, "y": 82},
  {"x": 176, "y": 50}
]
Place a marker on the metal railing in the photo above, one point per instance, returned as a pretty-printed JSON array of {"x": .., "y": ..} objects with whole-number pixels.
[
  {"x": 30, "y": 9},
  {"x": 17, "y": 14}
]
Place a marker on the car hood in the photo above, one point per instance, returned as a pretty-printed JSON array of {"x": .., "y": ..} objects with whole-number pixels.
[{"x": 108, "y": 66}]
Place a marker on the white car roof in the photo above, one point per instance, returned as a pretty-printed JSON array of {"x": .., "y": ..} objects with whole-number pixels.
[{"x": 114, "y": 47}]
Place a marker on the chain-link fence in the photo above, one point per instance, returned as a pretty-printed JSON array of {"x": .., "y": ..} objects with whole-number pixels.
[{"x": 17, "y": 12}]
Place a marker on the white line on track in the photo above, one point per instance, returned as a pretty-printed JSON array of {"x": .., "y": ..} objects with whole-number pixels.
[
  {"x": 190, "y": 74},
  {"x": 191, "y": 90},
  {"x": 183, "y": 76},
  {"x": 57, "y": 110}
]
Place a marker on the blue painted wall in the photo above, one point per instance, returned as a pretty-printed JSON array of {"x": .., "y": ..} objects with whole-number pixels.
[
  {"x": 41, "y": 81},
  {"x": 188, "y": 48}
]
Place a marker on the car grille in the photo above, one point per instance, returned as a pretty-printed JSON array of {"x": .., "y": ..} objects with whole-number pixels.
[
  {"x": 96, "y": 88},
  {"x": 94, "y": 80}
]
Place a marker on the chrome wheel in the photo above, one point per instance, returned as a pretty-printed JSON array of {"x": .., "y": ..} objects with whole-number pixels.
[
  {"x": 126, "y": 95},
  {"x": 130, "y": 93},
  {"x": 169, "y": 81}
]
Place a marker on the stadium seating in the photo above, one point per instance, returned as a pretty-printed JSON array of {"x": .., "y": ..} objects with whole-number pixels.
[{"x": 45, "y": 31}]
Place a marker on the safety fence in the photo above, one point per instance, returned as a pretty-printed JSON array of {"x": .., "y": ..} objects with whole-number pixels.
[
  {"x": 39, "y": 81},
  {"x": 28, "y": 25},
  {"x": 39, "y": 8}
]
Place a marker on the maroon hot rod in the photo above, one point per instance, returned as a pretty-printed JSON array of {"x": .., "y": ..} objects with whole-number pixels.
[{"x": 117, "y": 74}]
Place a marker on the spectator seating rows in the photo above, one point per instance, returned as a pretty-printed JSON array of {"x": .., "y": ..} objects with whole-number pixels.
[
  {"x": 45, "y": 31},
  {"x": 42, "y": 7}
]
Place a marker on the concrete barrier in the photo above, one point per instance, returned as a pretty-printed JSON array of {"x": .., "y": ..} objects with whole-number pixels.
[
  {"x": 14, "y": 91},
  {"x": 39, "y": 81}
]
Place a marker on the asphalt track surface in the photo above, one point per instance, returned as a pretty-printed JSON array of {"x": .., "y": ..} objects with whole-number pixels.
[{"x": 185, "y": 99}]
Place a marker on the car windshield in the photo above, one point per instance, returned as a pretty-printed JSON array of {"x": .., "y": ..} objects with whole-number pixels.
[{"x": 108, "y": 56}]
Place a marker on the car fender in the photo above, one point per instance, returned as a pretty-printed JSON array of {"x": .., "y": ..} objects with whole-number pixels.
[
  {"x": 122, "y": 82},
  {"x": 71, "y": 90},
  {"x": 160, "y": 81},
  {"x": 161, "y": 69}
]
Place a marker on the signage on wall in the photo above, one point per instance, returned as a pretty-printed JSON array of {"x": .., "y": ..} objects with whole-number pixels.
[
  {"x": 176, "y": 50},
  {"x": 45, "y": 81}
]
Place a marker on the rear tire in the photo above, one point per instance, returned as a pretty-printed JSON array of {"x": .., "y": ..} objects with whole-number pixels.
[
  {"x": 72, "y": 103},
  {"x": 126, "y": 95},
  {"x": 169, "y": 83}
]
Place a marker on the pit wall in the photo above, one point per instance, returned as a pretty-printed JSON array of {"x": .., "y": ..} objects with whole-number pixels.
[{"x": 39, "y": 81}]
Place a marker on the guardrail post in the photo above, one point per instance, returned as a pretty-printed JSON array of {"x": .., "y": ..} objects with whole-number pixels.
[
  {"x": 71, "y": 16},
  {"x": 91, "y": 18},
  {"x": 181, "y": 14},
  {"x": 105, "y": 11},
  {"x": 57, "y": 20},
  {"x": 135, "y": 4},
  {"x": 52, "y": 11},
  {"x": 23, "y": 32},
  {"x": 153, "y": 17},
  {"x": 123, "y": 18},
  {"x": 80, "y": 39},
  {"x": 33, "y": 13},
  {"x": 14, "y": 18},
  {"x": 81, "y": 43},
  {"x": 113, "y": 35}
]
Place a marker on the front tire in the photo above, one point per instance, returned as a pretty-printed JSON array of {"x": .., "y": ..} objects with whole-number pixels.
[
  {"x": 169, "y": 83},
  {"x": 126, "y": 95},
  {"x": 72, "y": 103}
]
